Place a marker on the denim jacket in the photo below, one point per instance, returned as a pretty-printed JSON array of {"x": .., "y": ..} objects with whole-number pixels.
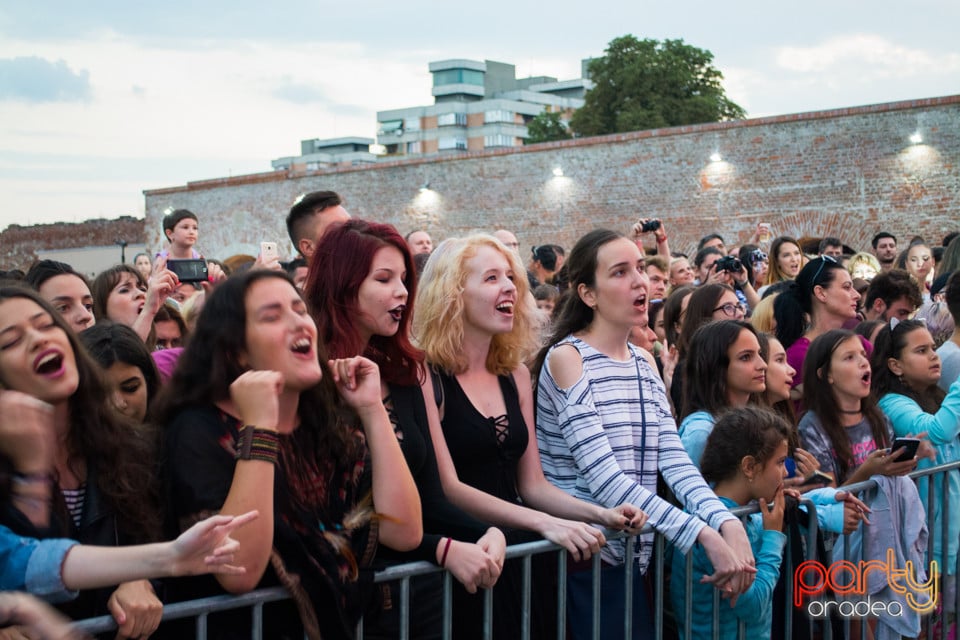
[{"x": 31, "y": 565}]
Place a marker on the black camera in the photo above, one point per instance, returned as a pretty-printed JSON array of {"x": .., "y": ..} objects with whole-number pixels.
[
  {"x": 650, "y": 225},
  {"x": 189, "y": 270},
  {"x": 729, "y": 264}
]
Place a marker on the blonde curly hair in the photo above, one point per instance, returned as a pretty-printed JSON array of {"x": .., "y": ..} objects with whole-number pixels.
[{"x": 438, "y": 319}]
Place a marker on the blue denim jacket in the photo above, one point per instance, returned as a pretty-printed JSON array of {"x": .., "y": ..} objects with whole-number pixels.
[{"x": 31, "y": 565}]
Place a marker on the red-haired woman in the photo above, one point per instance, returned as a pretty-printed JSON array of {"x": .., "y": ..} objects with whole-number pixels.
[{"x": 360, "y": 289}]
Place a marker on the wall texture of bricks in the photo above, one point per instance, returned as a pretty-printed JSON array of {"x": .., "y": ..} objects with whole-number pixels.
[
  {"x": 847, "y": 172},
  {"x": 19, "y": 245}
]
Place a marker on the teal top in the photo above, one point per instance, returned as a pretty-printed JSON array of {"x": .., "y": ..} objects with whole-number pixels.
[
  {"x": 694, "y": 431},
  {"x": 754, "y": 606},
  {"x": 942, "y": 428}
]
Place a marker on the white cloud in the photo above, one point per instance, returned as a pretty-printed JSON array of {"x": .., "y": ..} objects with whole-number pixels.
[{"x": 874, "y": 54}]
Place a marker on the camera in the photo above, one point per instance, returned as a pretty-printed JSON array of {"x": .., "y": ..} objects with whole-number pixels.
[
  {"x": 757, "y": 255},
  {"x": 650, "y": 225},
  {"x": 729, "y": 264},
  {"x": 189, "y": 270}
]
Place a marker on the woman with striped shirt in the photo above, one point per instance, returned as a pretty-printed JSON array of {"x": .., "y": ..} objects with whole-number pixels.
[{"x": 604, "y": 430}]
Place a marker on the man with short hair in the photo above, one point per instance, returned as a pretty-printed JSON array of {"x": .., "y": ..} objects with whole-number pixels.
[
  {"x": 419, "y": 241},
  {"x": 310, "y": 216},
  {"x": 892, "y": 294},
  {"x": 885, "y": 248},
  {"x": 714, "y": 240},
  {"x": 949, "y": 351},
  {"x": 508, "y": 239},
  {"x": 657, "y": 270},
  {"x": 831, "y": 247}
]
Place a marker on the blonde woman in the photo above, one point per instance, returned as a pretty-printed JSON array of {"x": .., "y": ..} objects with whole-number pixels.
[
  {"x": 863, "y": 265},
  {"x": 476, "y": 323}
]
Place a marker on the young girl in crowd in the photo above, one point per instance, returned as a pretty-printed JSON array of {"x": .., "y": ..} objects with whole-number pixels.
[
  {"x": 64, "y": 288},
  {"x": 906, "y": 372},
  {"x": 605, "y": 431},
  {"x": 843, "y": 427},
  {"x": 823, "y": 292},
  {"x": 122, "y": 295},
  {"x": 724, "y": 370},
  {"x": 475, "y": 322},
  {"x": 253, "y": 421},
  {"x": 786, "y": 258},
  {"x": 129, "y": 371},
  {"x": 360, "y": 291},
  {"x": 800, "y": 463},
  {"x": 744, "y": 459},
  {"x": 103, "y": 469},
  {"x": 917, "y": 260}
]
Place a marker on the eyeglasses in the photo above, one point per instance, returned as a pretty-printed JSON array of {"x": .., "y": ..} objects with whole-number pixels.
[
  {"x": 823, "y": 260},
  {"x": 730, "y": 309}
]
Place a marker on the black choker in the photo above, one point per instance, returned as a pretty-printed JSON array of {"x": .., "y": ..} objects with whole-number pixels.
[{"x": 850, "y": 412}]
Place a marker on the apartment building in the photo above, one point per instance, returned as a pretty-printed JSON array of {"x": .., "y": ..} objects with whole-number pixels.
[{"x": 477, "y": 105}]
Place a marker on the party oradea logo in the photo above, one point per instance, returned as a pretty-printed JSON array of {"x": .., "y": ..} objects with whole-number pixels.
[{"x": 850, "y": 589}]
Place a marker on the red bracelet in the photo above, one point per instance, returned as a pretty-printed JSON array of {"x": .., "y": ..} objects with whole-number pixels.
[
  {"x": 662, "y": 240},
  {"x": 446, "y": 548}
]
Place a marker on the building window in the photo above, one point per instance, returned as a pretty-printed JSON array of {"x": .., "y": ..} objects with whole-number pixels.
[
  {"x": 411, "y": 124},
  {"x": 451, "y": 143},
  {"x": 391, "y": 126},
  {"x": 499, "y": 140},
  {"x": 498, "y": 115},
  {"x": 414, "y": 147},
  {"x": 457, "y": 76},
  {"x": 452, "y": 120}
]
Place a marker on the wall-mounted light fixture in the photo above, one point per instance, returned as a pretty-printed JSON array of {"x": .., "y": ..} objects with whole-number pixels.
[
  {"x": 916, "y": 138},
  {"x": 558, "y": 172},
  {"x": 715, "y": 157},
  {"x": 425, "y": 186}
]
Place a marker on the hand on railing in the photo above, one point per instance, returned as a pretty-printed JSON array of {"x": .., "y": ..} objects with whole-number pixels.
[
  {"x": 626, "y": 517},
  {"x": 136, "y": 608},
  {"x": 854, "y": 511},
  {"x": 471, "y": 565},
  {"x": 580, "y": 539}
]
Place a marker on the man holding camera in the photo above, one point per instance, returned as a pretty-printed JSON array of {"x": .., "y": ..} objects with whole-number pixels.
[{"x": 712, "y": 266}]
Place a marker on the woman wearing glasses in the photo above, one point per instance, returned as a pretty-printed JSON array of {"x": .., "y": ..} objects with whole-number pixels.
[
  {"x": 708, "y": 302},
  {"x": 822, "y": 298}
]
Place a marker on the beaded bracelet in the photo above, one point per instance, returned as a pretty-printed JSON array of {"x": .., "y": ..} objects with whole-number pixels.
[{"x": 258, "y": 444}]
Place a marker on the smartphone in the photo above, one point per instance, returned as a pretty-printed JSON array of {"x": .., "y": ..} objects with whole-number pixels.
[
  {"x": 910, "y": 444},
  {"x": 817, "y": 477},
  {"x": 189, "y": 270},
  {"x": 268, "y": 252}
]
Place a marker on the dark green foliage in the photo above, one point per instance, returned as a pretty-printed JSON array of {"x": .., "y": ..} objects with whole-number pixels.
[
  {"x": 546, "y": 127},
  {"x": 648, "y": 84}
]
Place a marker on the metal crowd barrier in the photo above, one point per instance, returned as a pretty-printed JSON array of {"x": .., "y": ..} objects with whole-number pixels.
[{"x": 200, "y": 609}]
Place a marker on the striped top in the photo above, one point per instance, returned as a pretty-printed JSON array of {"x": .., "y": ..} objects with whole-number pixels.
[
  {"x": 74, "y": 498},
  {"x": 604, "y": 439}
]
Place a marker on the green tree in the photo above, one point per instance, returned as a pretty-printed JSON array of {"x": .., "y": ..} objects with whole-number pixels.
[
  {"x": 546, "y": 127},
  {"x": 648, "y": 84}
]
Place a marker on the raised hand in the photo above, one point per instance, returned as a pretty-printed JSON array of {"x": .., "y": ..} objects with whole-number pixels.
[{"x": 256, "y": 395}]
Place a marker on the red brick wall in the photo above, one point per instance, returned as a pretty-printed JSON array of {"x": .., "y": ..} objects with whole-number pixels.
[
  {"x": 847, "y": 172},
  {"x": 19, "y": 245}
]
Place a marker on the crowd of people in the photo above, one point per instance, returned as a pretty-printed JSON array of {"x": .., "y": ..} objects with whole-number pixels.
[{"x": 379, "y": 399}]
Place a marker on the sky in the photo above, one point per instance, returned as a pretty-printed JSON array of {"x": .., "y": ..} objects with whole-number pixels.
[{"x": 103, "y": 99}]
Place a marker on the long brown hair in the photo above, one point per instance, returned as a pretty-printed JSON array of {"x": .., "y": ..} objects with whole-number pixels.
[
  {"x": 123, "y": 454},
  {"x": 818, "y": 397}
]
